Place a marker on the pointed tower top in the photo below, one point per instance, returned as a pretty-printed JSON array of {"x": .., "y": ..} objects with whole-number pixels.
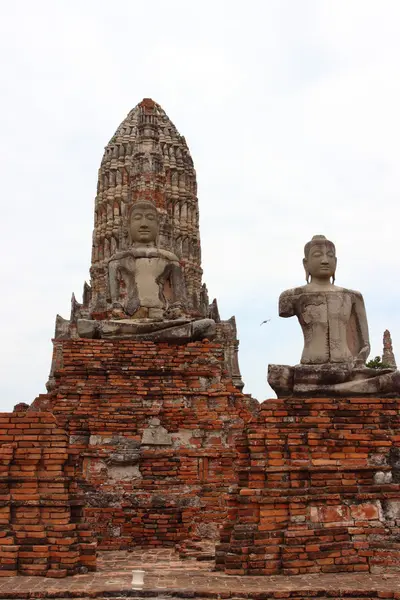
[
  {"x": 148, "y": 103},
  {"x": 388, "y": 355}
]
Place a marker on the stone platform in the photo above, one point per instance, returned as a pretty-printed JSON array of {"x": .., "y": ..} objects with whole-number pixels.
[{"x": 165, "y": 575}]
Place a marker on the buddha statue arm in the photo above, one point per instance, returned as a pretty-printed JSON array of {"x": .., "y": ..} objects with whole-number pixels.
[
  {"x": 362, "y": 326},
  {"x": 113, "y": 270},
  {"x": 286, "y": 304},
  {"x": 178, "y": 286},
  {"x": 122, "y": 268}
]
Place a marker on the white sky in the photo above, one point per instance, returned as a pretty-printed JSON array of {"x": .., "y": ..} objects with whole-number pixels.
[{"x": 291, "y": 112}]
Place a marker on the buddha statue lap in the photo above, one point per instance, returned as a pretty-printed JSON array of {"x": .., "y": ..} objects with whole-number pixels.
[
  {"x": 335, "y": 330},
  {"x": 147, "y": 292}
]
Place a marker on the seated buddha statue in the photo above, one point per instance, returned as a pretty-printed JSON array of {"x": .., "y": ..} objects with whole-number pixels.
[
  {"x": 147, "y": 292},
  {"x": 146, "y": 281},
  {"x": 335, "y": 330}
]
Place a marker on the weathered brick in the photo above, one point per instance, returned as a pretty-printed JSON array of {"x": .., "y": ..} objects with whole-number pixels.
[{"x": 335, "y": 511}]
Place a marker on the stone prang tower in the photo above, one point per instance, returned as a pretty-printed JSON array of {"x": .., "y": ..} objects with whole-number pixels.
[
  {"x": 388, "y": 357},
  {"x": 148, "y": 161}
]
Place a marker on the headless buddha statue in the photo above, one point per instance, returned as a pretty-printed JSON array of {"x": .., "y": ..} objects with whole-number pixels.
[
  {"x": 147, "y": 292},
  {"x": 335, "y": 330}
]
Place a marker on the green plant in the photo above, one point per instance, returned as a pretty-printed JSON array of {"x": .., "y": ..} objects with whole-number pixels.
[{"x": 376, "y": 363}]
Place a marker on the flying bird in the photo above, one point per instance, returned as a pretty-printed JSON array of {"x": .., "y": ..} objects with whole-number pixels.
[{"x": 266, "y": 321}]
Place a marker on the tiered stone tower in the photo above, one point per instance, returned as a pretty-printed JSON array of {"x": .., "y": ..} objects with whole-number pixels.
[
  {"x": 147, "y": 159},
  {"x": 388, "y": 357}
]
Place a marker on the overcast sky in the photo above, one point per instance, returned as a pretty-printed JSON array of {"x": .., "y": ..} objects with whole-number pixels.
[{"x": 291, "y": 111}]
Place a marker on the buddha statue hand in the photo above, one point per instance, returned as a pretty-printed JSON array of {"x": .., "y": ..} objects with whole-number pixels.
[
  {"x": 175, "y": 311},
  {"x": 117, "y": 311},
  {"x": 362, "y": 356}
]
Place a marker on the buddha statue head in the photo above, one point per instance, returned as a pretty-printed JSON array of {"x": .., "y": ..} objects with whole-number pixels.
[
  {"x": 143, "y": 223},
  {"x": 320, "y": 259}
]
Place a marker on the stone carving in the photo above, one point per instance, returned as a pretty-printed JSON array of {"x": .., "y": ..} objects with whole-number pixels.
[
  {"x": 147, "y": 292},
  {"x": 335, "y": 329},
  {"x": 156, "y": 434},
  {"x": 145, "y": 281}
]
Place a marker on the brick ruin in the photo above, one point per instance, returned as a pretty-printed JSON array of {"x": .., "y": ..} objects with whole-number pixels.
[
  {"x": 148, "y": 443},
  {"x": 152, "y": 428},
  {"x": 42, "y": 531},
  {"x": 318, "y": 491}
]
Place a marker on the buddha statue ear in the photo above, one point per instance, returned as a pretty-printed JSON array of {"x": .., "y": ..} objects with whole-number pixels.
[
  {"x": 306, "y": 270},
  {"x": 333, "y": 276}
]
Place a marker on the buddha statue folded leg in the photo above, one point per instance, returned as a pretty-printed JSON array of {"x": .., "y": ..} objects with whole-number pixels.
[
  {"x": 382, "y": 384},
  {"x": 332, "y": 380},
  {"x": 175, "y": 331},
  {"x": 280, "y": 378}
]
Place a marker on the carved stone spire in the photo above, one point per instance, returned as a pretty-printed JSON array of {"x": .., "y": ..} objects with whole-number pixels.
[
  {"x": 147, "y": 159},
  {"x": 388, "y": 355}
]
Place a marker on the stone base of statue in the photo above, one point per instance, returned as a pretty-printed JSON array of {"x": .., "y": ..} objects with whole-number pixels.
[
  {"x": 152, "y": 430},
  {"x": 181, "y": 330},
  {"x": 332, "y": 379}
]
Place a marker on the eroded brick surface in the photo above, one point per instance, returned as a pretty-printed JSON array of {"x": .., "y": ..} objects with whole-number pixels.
[
  {"x": 153, "y": 430},
  {"x": 318, "y": 489},
  {"x": 157, "y": 447},
  {"x": 41, "y": 530}
]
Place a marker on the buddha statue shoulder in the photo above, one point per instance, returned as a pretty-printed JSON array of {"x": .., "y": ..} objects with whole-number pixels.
[
  {"x": 335, "y": 330},
  {"x": 147, "y": 292}
]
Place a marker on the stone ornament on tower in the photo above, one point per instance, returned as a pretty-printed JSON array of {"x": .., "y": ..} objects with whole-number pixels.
[{"x": 388, "y": 354}]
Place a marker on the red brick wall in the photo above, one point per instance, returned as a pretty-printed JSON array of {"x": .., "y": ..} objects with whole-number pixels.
[
  {"x": 319, "y": 489},
  {"x": 105, "y": 395},
  {"x": 301, "y": 485},
  {"x": 39, "y": 533}
]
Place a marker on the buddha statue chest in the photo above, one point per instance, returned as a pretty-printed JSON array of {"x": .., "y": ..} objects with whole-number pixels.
[
  {"x": 324, "y": 317},
  {"x": 143, "y": 280},
  {"x": 147, "y": 278}
]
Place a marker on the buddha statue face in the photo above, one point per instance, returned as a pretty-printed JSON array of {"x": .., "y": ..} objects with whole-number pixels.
[
  {"x": 320, "y": 258},
  {"x": 143, "y": 223}
]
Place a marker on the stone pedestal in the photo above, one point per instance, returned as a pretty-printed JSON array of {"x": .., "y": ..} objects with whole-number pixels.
[
  {"x": 153, "y": 427},
  {"x": 319, "y": 489}
]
